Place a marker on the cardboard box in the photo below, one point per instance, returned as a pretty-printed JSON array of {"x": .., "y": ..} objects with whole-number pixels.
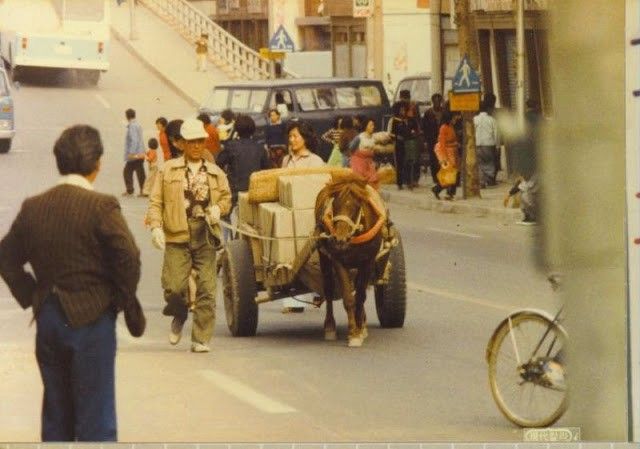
[
  {"x": 247, "y": 212},
  {"x": 276, "y": 221},
  {"x": 300, "y": 191},
  {"x": 304, "y": 222}
]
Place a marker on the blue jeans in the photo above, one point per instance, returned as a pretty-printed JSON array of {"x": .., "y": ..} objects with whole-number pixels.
[{"x": 78, "y": 372}]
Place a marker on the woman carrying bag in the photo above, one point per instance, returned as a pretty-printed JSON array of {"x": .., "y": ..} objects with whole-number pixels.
[{"x": 446, "y": 151}]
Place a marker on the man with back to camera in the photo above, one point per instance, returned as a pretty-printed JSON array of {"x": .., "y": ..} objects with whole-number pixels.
[
  {"x": 86, "y": 267},
  {"x": 188, "y": 198},
  {"x": 134, "y": 154}
]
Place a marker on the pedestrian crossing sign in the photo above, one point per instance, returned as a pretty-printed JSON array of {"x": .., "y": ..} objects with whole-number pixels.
[
  {"x": 466, "y": 79},
  {"x": 281, "y": 41}
]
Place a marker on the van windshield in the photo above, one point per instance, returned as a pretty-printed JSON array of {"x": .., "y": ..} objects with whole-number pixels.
[
  {"x": 217, "y": 100},
  {"x": 248, "y": 100}
]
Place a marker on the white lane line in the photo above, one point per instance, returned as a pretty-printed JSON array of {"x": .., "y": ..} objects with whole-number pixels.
[
  {"x": 19, "y": 151},
  {"x": 245, "y": 393},
  {"x": 458, "y": 296},
  {"x": 102, "y": 100},
  {"x": 462, "y": 234}
]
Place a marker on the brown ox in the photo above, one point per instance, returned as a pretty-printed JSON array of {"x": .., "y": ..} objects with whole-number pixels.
[{"x": 347, "y": 212}]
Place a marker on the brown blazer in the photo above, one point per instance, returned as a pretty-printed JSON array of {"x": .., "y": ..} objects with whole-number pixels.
[{"x": 79, "y": 247}]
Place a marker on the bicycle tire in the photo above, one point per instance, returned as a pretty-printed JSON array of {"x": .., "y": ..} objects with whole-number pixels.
[{"x": 496, "y": 352}]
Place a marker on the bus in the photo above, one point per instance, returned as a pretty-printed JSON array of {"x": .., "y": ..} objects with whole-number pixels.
[{"x": 56, "y": 34}]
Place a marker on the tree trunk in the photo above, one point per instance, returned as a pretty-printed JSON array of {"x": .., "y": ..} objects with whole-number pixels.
[{"x": 468, "y": 45}]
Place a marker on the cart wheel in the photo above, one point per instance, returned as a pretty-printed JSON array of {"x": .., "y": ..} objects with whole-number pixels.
[
  {"x": 391, "y": 298},
  {"x": 239, "y": 283}
]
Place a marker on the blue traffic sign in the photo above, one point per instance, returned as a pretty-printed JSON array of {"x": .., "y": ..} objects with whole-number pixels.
[
  {"x": 281, "y": 41},
  {"x": 466, "y": 79}
]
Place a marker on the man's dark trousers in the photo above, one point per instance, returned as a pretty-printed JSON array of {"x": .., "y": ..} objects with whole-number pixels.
[
  {"x": 77, "y": 368},
  {"x": 129, "y": 168}
]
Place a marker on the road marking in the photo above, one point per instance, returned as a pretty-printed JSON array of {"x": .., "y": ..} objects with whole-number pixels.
[
  {"x": 245, "y": 393},
  {"x": 19, "y": 151},
  {"x": 457, "y": 296},
  {"x": 462, "y": 234},
  {"x": 102, "y": 100}
]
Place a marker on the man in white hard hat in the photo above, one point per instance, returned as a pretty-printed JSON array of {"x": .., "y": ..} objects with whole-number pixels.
[{"x": 187, "y": 200}]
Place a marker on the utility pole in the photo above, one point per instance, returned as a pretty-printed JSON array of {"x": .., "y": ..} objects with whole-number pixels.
[
  {"x": 467, "y": 44},
  {"x": 133, "y": 32},
  {"x": 520, "y": 63},
  {"x": 436, "y": 48}
]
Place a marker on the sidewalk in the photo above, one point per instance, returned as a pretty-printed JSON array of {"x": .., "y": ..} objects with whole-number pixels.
[
  {"x": 172, "y": 58},
  {"x": 165, "y": 52},
  {"x": 489, "y": 204}
]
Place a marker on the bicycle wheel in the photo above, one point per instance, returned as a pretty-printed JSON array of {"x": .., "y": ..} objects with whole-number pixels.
[{"x": 522, "y": 393}]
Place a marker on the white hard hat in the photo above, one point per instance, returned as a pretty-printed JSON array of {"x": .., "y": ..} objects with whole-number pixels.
[{"x": 193, "y": 129}]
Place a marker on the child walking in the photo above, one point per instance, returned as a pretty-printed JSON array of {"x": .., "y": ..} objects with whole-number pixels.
[{"x": 151, "y": 157}]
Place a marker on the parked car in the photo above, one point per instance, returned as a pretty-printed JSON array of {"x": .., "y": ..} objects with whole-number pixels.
[
  {"x": 420, "y": 87},
  {"x": 316, "y": 100},
  {"x": 7, "y": 122}
]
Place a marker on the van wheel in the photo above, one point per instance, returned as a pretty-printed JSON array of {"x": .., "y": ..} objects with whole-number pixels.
[{"x": 5, "y": 145}]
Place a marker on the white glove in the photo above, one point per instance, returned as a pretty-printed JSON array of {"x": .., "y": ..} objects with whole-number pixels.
[
  {"x": 157, "y": 238},
  {"x": 213, "y": 214}
]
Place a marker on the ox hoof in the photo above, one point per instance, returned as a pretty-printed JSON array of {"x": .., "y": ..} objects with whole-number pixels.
[
  {"x": 355, "y": 342},
  {"x": 330, "y": 335}
]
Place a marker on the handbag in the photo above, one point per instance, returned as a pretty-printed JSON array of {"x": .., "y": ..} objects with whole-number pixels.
[{"x": 447, "y": 175}]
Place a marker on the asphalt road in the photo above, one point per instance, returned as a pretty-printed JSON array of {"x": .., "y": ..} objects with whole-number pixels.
[{"x": 425, "y": 382}]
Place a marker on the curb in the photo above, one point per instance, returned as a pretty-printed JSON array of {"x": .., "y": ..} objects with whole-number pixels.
[
  {"x": 134, "y": 52},
  {"x": 454, "y": 207}
]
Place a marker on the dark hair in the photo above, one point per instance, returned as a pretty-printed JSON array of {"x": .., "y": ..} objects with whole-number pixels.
[
  {"x": 490, "y": 100},
  {"x": 436, "y": 95},
  {"x": 129, "y": 114},
  {"x": 173, "y": 132},
  {"x": 204, "y": 118},
  {"x": 307, "y": 133},
  {"x": 362, "y": 121},
  {"x": 276, "y": 111},
  {"x": 405, "y": 94},
  {"x": 347, "y": 122},
  {"x": 447, "y": 116},
  {"x": 397, "y": 108},
  {"x": 153, "y": 143},
  {"x": 228, "y": 115},
  {"x": 162, "y": 121},
  {"x": 245, "y": 126},
  {"x": 78, "y": 150},
  {"x": 337, "y": 122},
  {"x": 279, "y": 98}
]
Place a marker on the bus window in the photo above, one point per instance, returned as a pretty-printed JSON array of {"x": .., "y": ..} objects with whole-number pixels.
[
  {"x": 306, "y": 100},
  {"x": 217, "y": 101},
  {"x": 346, "y": 97},
  {"x": 370, "y": 96}
]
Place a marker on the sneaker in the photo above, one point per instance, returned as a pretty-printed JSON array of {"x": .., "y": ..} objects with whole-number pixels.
[
  {"x": 199, "y": 347},
  {"x": 176, "y": 330}
]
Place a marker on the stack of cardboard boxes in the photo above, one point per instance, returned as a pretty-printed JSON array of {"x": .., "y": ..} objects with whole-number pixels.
[{"x": 287, "y": 221}]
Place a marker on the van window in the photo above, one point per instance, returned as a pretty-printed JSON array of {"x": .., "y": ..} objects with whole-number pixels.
[
  {"x": 325, "y": 97},
  {"x": 217, "y": 101},
  {"x": 248, "y": 100},
  {"x": 306, "y": 100},
  {"x": 285, "y": 97},
  {"x": 421, "y": 90},
  {"x": 346, "y": 97},
  {"x": 370, "y": 96}
]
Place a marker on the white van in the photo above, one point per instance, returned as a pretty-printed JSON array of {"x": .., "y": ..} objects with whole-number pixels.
[{"x": 420, "y": 87}]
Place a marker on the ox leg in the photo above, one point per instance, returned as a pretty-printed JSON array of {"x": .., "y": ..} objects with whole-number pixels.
[
  {"x": 361, "y": 283},
  {"x": 349, "y": 302},
  {"x": 327, "y": 279}
]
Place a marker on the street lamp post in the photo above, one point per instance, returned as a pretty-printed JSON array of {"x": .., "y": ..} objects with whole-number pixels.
[{"x": 133, "y": 33}]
